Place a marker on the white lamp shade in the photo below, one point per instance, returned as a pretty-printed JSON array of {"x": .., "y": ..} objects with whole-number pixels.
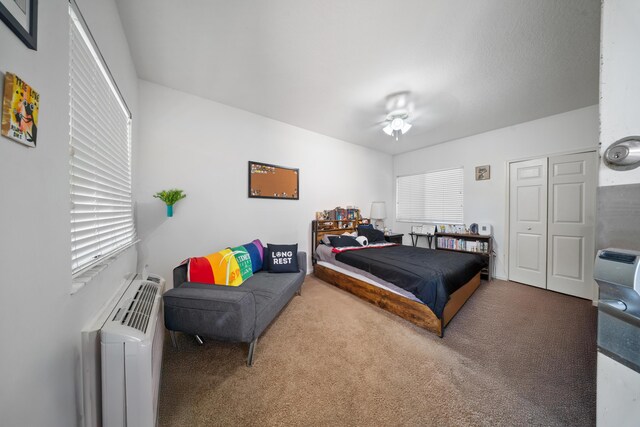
[{"x": 378, "y": 210}]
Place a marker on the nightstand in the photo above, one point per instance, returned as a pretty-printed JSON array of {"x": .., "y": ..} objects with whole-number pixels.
[{"x": 394, "y": 238}]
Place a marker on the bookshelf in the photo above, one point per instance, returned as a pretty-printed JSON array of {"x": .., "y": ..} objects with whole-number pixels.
[{"x": 469, "y": 243}]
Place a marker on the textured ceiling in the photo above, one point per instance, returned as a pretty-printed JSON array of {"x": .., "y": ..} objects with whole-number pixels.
[{"x": 327, "y": 65}]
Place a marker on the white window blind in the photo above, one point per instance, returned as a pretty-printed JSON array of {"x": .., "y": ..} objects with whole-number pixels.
[
  {"x": 100, "y": 156},
  {"x": 431, "y": 197}
]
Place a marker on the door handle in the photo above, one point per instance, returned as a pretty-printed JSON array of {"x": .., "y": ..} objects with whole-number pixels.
[{"x": 529, "y": 228}]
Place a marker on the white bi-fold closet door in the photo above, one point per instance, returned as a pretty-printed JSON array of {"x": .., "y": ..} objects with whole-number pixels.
[{"x": 552, "y": 222}]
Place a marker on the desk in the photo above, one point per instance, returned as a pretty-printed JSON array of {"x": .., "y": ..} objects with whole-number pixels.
[{"x": 415, "y": 237}]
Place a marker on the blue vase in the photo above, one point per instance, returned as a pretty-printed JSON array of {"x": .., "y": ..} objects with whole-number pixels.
[{"x": 169, "y": 210}]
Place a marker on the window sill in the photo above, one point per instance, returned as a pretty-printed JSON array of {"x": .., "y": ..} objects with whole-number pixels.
[
  {"x": 79, "y": 282},
  {"x": 81, "y": 279}
]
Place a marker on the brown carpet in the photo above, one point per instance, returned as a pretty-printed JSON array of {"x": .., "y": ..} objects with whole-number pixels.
[{"x": 514, "y": 355}]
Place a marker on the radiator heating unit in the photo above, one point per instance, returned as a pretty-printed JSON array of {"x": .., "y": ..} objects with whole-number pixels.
[{"x": 131, "y": 353}]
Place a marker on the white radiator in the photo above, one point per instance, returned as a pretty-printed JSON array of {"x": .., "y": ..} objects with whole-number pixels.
[{"x": 131, "y": 353}]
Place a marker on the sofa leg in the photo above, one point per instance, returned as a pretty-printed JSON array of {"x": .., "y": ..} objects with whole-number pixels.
[
  {"x": 252, "y": 347},
  {"x": 299, "y": 292},
  {"x": 174, "y": 341}
]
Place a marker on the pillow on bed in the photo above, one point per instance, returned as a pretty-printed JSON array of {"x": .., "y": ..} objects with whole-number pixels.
[
  {"x": 371, "y": 234},
  {"x": 343, "y": 241},
  {"x": 363, "y": 240},
  {"x": 325, "y": 238}
]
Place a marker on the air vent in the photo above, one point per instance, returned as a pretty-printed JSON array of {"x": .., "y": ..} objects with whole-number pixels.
[
  {"x": 618, "y": 257},
  {"x": 139, "y": 311}
]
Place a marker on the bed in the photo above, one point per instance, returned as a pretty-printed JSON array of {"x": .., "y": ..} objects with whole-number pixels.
[{"x": 424, "y": 286}]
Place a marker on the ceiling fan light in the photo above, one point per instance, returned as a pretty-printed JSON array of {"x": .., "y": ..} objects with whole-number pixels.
[
  {"x": 387, "y": 129},
  {"x": 406, "y": 127},
  {"x": 397, "y": 123}
]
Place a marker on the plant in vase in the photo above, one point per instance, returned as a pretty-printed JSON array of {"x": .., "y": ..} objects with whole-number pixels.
[{"x": 170, "y": 197}]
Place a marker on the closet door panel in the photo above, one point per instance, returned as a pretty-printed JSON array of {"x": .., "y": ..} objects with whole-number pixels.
[
  {"x": 528, "y": 222},
  {"x": 571, "y": 246}
]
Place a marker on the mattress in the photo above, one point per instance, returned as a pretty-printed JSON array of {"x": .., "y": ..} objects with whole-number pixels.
[
  {"x": 327, "y": 259},
  {"x": 431, "y": 275}
]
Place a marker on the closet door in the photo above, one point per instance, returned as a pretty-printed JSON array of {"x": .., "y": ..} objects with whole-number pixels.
[
  {"x": 528, "y": 222},
  {"x": 571, "y": 246}
]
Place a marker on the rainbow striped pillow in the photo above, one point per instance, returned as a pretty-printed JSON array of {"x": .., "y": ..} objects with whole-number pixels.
[{"x": 228, "y": 267}]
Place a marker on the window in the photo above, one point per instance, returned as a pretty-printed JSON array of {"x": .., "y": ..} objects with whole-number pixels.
[
  {"x": 100, "y": 155},
  {"x": 431, "y": 197}
]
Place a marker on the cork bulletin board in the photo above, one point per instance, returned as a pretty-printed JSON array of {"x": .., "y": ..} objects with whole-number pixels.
[{"x": 268, "y": 181}]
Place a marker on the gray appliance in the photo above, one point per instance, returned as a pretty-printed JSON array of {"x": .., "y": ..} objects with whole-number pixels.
[{"x": 617, "y": 272}]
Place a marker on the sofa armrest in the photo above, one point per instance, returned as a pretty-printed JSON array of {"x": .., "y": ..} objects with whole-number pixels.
[
  {"x": 219, "y": 312},
  {"x": 180, "y": 274},
  {"x": 302, "y": 261}
]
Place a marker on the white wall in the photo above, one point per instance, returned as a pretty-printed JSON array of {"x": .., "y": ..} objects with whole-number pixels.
[
  {"x": 485, "y": 201},
  {"x": 40, "y": 321},
  {"x": 619, "y": 82},
  {"x": 618, "y": 388},
  {"x": 203, "y": 147}
]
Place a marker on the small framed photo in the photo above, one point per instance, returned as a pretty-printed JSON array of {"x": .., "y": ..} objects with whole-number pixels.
[
  {"x": 21, "y": 16},
  {"x": 483, "y": 172}
]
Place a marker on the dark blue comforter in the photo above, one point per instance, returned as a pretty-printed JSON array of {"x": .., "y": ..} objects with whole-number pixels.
[{"x": 432, "y": 276}]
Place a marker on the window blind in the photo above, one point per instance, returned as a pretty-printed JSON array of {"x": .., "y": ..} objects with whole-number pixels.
[
  {"x": 431, "y": 197},
  {"x": 100, "y": 156}
]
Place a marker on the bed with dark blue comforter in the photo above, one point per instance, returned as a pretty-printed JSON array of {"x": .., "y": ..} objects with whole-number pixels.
[{"x": 431, "y": 275}]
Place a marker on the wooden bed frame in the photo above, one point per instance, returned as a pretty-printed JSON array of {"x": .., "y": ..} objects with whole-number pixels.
[{"x": 413, "y": 311}]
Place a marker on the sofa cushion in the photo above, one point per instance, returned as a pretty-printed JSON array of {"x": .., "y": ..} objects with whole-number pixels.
[
  {"x": 283, "y": 258},
  {"x": 226, "y": 313},
  {"x": 271, "y": 292},
  {"x": 256, "y": 251}
]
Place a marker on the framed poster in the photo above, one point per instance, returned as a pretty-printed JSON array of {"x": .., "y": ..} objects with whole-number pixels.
[
  {"x": 483, "y": 172},
  {"x": 21, "y": 16},
  {"x": 20, "y": 107},
  {"x": 273, "y": 182}
]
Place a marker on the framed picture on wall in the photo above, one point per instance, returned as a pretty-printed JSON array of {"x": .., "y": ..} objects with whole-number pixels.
[
  {"x": 21, "y": 16},
  {"x": 20, "y": 108},
  {"x": 268, "y": 181},
  {"x": 483, "y": 172}
]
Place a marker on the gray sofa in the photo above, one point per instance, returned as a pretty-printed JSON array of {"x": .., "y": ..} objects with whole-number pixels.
[{"x": 230, "y": 313}]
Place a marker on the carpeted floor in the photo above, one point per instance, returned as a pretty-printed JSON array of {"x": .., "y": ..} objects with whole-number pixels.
[{"x": 514, "y": 355}]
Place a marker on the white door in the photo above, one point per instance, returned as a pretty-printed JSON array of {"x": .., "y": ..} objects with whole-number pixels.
[
  {"x": 571, "y": 241},
  {"x": 528, "y": 222}
]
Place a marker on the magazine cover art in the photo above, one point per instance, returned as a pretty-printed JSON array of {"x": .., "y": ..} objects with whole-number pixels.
[{"x": 20, "y": 111}]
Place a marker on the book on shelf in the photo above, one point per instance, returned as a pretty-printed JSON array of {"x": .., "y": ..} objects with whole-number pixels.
[{"x": 463, "y": 245}]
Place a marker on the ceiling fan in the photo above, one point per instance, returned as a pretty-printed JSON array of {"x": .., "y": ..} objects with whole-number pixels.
[{"x": 399, "y": 109}]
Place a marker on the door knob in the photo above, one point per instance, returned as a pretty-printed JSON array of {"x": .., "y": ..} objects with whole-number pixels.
[{"x": 528, "y": 228}]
